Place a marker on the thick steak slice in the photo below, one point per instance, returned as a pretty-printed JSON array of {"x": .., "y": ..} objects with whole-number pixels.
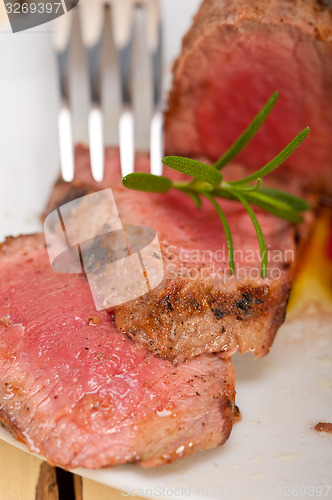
[
  {"x": 199, "y": 307},
  {"x": 234, "y": 57},
  {"x": 84, "y": 395}
]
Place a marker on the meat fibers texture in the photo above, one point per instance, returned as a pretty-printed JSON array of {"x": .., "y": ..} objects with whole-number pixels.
[
  {"x": 82, "y": 394},
  {"x": 234, "y": 57}
]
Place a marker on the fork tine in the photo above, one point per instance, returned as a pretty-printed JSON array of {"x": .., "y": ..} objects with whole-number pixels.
[
  {"x": 110, "y": 81},
  {"x": 141, "y": 77},
  {"x": 96, "y": 129},
  {"x": 66, "y": 144},
  {"x": 74, "y": 87},
  {"x": 157, "y": 143},
  {"x": 78, "y": 81},
  {"x": 157, "y": 122},
  {"x": 147, "y": 83},
  {"x": 142, "y": 89},
  {"x": 126, "y": 123}
]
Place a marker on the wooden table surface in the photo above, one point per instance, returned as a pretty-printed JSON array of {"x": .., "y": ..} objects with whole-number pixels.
[{"x": 21, "y": 479}]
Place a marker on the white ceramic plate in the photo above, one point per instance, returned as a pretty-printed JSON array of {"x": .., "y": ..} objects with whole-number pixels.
[{"x": 274, "y": 451}]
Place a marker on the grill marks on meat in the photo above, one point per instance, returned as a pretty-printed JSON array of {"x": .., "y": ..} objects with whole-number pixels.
[
  {"x": 199, "y": 307},
  {"x": 245, "y": 51},
  {"x": 188, "y": 319},
  {"x": 84, "y": 395}
]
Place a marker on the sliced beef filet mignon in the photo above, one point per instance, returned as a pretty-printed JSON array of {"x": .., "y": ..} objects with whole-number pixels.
[
  {"x": 84, "y": 395},
  {"x": 235, "y": 56},
  {"x": 199, "y": 307}
]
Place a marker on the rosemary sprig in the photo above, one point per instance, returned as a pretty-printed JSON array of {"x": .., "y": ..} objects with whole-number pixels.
[
  {"x": 259, "y": 232},
  {"x": 278, "y": 160},
  {"x": 227, "y": 230},
  {"x": 208, "y": 182}
]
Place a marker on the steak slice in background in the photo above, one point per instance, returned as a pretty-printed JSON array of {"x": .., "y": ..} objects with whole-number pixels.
[
  {"x": 199, "y": 307},
  {"x": 82, "y": 394},
  {"x": 235, "y": 56}
]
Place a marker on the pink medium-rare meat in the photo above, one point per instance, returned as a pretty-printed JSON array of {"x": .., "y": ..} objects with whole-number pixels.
[
  {"x": 82, "y": 394},
  {"x": 199, "y": 307},
  {"x": 235, "y": 56}
]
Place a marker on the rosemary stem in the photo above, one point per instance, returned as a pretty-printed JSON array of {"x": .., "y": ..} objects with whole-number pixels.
[
  {"x": 260, "y": 236},
  {"x": 277, "y": 160},
  {"x": 226, "y": 229}
]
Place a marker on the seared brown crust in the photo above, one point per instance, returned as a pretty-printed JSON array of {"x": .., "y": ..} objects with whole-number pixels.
[
  {"x": 310, "y": 16},
  {"x": 172, "y": 322},
  {"x": 10, "y": 427},
  {"x": 64, "y": 192}
]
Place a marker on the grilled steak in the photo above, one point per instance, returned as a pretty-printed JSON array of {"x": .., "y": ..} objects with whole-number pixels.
[
  {"x": 199, "y": 307},
  {"x": 234, "y": 57},
  {"x": 84, "y": 395}
]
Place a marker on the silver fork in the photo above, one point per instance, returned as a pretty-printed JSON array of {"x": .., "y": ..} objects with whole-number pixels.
[{"x": 110, "y": 82}]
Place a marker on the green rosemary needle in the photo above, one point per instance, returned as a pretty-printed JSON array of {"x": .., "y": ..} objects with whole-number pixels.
[{"x": 207, "y": 181}]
